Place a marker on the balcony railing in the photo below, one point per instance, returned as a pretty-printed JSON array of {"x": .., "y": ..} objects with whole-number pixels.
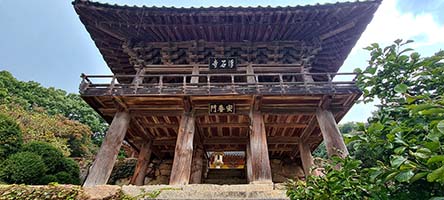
[{"x": 218, "y": 84}]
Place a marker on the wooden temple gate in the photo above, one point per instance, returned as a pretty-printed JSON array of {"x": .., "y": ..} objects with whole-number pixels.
[{"x": 192, "y": 80}]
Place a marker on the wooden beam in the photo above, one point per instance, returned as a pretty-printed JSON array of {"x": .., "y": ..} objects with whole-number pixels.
[
  {"x": 142, "y": 164},
  {"x": 104, "y": 162},
  {"x": 260, "y": 162},
  {"x": 229, "y": 140},
  {"x": 197, "y": 166},
  {"x": 180, "y": 172},
  {"x": 306, "y": 157},
  {"x": 330, "y": 132},
  {"x": 234, "y": 148},
  {"x": 309, "y": 129},
  {"x": 296, "y": 110},
  {"x": 274, "y": 125}
]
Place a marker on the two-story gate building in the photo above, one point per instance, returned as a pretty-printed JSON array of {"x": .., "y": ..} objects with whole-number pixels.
[{"x": 188, "y": 81}]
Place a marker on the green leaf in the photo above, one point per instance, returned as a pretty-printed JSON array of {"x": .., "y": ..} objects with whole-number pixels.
[
  {"x": 357, "y": 70},
  {"x": 436, "y": 175},
  {"x": 421, "y": 107},
  {"x": 433, "y": 146},
  {"x": 371, "y": 70},
  {"x": 432, "y": 111},
  {"x": 409, "y": 99},
  {"x": 401, "y": 88},
  {"x": 418, "y": 176},
  {"x": 391, "y": 175},
  {"x": 424, "y": 150},
  {"x": 437, "y": 198},
  {"x": 375, "y": 174},
  {"x": 400, "y": 150},
  {"x": 440, "y": 126},
  {"x": 396, "y": 161},
  {"x": 434, "y": 159},
  {"x": 404, "y": 176}
]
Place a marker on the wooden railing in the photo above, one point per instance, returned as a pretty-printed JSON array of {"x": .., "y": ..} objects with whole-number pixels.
[{"x": 218, "y": 84}]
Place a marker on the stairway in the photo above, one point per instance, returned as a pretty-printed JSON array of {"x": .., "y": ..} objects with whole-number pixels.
[
  {"x": 226, "y": 176},
  {"x": 207, "y": 191}
]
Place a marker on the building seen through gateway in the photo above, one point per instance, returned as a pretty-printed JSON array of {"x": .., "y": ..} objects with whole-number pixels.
[{"x": 243, "y": 93}]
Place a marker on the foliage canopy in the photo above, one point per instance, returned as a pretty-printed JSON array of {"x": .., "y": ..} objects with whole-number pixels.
[{"x": 400, "y": 150}]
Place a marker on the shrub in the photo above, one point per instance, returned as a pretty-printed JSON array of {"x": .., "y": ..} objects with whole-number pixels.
[
  {"x": 48, "y": 179},
  {"x": 71, "y": 167},
  {"x": 348, "y": 182},
  {"x": 23, "y": 167},
  {"x": 64, "y": 177},
  {"x": 10, "y": 137},
  {"x": 51, "y": 155}
]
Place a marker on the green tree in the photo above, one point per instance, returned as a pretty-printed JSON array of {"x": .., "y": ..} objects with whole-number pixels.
[
  {"x": 10, "y": 136},
  {"x": 405, "y": 136},
  {"x": 54, "y": 101},
  {"x": 400, "y": 150},
  {"x": 71, "y": 137}
]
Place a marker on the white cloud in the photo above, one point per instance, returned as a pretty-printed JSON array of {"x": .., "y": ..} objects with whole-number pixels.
[{"x": 390, "y": 24}]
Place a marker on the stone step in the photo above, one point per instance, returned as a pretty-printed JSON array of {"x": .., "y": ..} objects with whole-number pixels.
[
  {"x": 225, "y": 176},
  {"x": 221, "y": 181},
  {"x": 225, "y": 173},
  {"x": 207, "y": 191}
]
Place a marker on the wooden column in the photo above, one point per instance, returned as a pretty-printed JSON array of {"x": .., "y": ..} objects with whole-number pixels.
[
  {"x": 260, "y": 162},
  {"x": 250, "y": 71},
  {"x": 180, "y": 172},
  {"x": 306, "y": 157},
  {"x": 248, "y": 163},
  {"x": 195, "y": 79},
  {"x": 330, "y": 132},
  {"x": 307, "y": 77},
  {"x": 138, "y": 79},
  {"x": 142, "y": 164},
  {"x": 104, "y": 162},
  {"x": 197, "y": 166}
]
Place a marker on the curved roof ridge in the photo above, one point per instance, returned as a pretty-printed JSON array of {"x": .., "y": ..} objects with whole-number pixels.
[{"x": 209, "y": 8}]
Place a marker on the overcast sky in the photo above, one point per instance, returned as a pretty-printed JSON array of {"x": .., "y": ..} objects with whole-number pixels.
[{"x": 44, "y": 41}]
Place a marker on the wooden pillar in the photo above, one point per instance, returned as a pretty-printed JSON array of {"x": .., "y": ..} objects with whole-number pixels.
[
  {"x": 195, "y": 79},
  {"x": 180, "y": 172},
  {"x": 197, "y": 166},
  {"x": 250, "y": 71},
  {"x": 260, "y": 162},
  {"x": 142, "y": 164},
  {"x": 248, "y": 163},
  {"x": 307, "y": 77},
  {"x": 330, "y": 132},
  {"x": 138, "y": 79},
  {"x": 306, "y": 157},
  {"x": 104, "y": 162}
]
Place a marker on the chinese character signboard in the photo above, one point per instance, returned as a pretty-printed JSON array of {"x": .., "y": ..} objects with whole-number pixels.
[
  {"x": 223, "y": 64},
  {"x": 221, "y": 108}
]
